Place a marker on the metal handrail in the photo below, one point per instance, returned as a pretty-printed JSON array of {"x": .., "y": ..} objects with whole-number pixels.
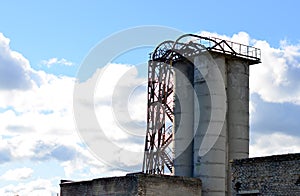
[
  {"x": 211, "y": 44},
  {"x": 241, "y": 49}
]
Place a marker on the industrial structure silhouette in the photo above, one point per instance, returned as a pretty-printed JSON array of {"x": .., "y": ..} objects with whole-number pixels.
[{"x": 197, "y": 137}]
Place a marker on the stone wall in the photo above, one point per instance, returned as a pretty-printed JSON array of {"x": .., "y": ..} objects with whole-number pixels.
[
  {"x": 272, "y": 175},
  {"x": 133, "y": 184}
]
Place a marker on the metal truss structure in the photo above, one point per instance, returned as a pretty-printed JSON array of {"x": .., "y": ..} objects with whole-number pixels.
[{"x": 158, "y": 155}]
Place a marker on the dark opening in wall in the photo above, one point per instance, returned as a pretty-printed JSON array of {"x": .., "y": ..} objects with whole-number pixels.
[
  {"x": 237, "y": 186},
  {"x": 298, "y": 181}
]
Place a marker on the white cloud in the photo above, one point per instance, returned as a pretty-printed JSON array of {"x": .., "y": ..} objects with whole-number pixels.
[
  {"x": 38, "y": 125},
  {"x": 114, "y": 92},
  {"x": 55, "y": 61},
  {"x": 17, "y": 174},
  {"x": 54, "y": 94},
  {"x": 115, "y": 87},
  {"x": 33, "y": 188},
  {"x": 278, "y": 72},
  {"x": 121, "y": 99},
  {"x": 273, "y": 143},
  {"x": 15, "y": 70}
]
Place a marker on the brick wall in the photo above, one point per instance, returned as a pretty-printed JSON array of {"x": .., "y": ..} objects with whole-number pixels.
[{"x": 272, "y": 175}]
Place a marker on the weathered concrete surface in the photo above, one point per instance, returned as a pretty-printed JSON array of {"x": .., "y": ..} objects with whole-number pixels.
[
  {"x": 272, "y": 175},
  {"x": 230, "y": 134},
  {"x": 134, "y": 184},
  {"x": 210, "y": 85},
  {"x": 183, "y": 118},
  {"x": 238, "y": 111}
]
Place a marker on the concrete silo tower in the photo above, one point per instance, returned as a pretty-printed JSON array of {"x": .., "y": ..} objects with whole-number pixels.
[{"x": 199, "y": 86}]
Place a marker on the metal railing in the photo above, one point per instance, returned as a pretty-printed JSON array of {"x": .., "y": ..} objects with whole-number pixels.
[
  {"x": 197, "y": 42},
  {"x": 236, "y": 48}
]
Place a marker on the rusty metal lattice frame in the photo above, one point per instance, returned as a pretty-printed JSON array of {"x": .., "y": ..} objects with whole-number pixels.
[
  {"x": 160, "y": 104},
  {"x": 159, "y": 136}
]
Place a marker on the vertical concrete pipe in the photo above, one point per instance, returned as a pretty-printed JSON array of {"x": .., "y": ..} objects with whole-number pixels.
[
  {"x": 183, "y": 118},
  {"x": 210, "y": 143},
  {"x": 238, "y": 111}
]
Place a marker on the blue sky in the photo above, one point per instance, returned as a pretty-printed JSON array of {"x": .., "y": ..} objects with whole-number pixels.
[{"x": 43, "y": 45}]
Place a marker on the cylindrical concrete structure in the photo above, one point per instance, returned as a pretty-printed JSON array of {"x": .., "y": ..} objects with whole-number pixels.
[
  {"x": 210, "y": 147},
  {"x": 238, "y": 108},
  {"x": 238, "y": 111},
  {"x": 204, "y": 144},
  {"x": 183, "y": 118}
]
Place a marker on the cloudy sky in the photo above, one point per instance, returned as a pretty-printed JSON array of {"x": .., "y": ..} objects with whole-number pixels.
[{"x": 45, "y": 45}]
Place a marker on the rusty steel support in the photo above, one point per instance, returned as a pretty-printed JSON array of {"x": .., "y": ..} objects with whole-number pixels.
[{"x": 159, "y": 119}]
